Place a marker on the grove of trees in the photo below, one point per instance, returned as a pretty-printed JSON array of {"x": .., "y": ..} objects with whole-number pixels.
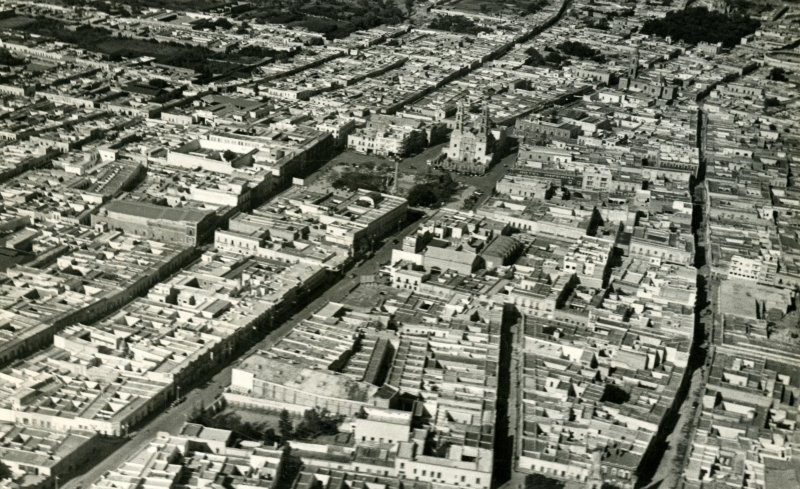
[
  {"x": 432, "y": 193},
  {"x": 8, "y": 59},
  {"x": 458, "y": 24},
  {"x": 698, "y": 24}
]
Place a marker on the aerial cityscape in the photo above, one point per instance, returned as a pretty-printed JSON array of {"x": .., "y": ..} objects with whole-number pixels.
[{"x": 385, "y": 244}]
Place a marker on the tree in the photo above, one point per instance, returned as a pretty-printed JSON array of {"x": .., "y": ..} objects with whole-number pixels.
[
  {"x": 777, "y": 74},
  {"x": 285, "y": 425},
  {"x": 438, "y": 134},
  {"x": 458, "y": 24},
  {"x": 417, "y": 142},
  {"x": 432, "y": 192},
  {"x": 698, "y": 24},
  {"x": 580, "y": 50},
  {"x": 422, "y": 195},
  {"x": 771, "y": 102},
  {"x": 290, "y": 468},
  {"x": 8, "y": 59},
  {"x": 354, "y": 180},
  {"x": 270, "y": 437},
  {"x": 318, "y": 422},
  {"x": 223, "y": 23},
  {"x": 535, "y": 6},
  {"x": 554, "y": 58},
  {"x": 535, "y": 58},
  {"x": 198, "y": 412}
]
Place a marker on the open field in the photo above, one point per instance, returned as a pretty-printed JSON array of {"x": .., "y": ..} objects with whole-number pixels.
[{"x": 261, "y": 418}]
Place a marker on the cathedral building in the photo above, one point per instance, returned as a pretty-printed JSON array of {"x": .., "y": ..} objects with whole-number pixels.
[{"x": 473, "y": 146}]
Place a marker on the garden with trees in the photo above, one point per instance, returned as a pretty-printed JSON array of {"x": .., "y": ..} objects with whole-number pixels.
[
  {"x": 698, "y": 24},
  {"x": 332, "y": 18},
  {"x": 8, "y": 59},
  {"x": 353, "y": 180},
  {"x": 432, "y": 193},
  {"x": 457, "y": 24}
]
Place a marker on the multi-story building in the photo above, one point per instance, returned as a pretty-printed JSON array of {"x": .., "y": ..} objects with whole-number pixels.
[{"x": 473, "y": 148}]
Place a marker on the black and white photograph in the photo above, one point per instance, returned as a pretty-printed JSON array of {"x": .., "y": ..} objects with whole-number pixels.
[{"x": 399, "y": 244}]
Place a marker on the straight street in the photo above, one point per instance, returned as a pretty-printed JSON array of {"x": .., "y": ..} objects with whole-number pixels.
[{"x": 669, "y": 473}]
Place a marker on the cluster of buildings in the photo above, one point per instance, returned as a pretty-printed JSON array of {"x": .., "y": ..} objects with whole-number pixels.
[
  {"x": 413, "y": 377},
  {"x": 745, "y": 433},
  {"x": 196, "y": 457},
  {"x": 147, "y": 235},
  {"x": 123, "y": 352},
  {"x": 154, "y": 224}
]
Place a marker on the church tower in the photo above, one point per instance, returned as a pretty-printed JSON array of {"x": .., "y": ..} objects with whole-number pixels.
[
  {"x": 485, "y": 123},
  {"x": 460, "y": 117},
  {"x": 633, "y": 70}
]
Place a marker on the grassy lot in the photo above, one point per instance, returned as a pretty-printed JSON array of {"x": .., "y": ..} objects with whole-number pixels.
[
  {"x": 255, "y": 417},
  {"x": 244, "y": 423}
]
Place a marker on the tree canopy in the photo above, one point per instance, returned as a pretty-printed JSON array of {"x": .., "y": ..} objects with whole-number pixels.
[
  {"x": 432, "y": 193},
  {"x": 317, "y": 422},
  {"x": 8, "y": 59},
  {"x": 580, "y": 50},
  {"x": 698, "y": 24},
  {"x": 458, "y": 24}
]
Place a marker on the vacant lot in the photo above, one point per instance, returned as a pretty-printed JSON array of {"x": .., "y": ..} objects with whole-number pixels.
[{"x": 743, "y": 298}]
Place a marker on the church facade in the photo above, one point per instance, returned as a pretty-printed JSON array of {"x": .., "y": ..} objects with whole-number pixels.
[{"x": 473, "y": 146}]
